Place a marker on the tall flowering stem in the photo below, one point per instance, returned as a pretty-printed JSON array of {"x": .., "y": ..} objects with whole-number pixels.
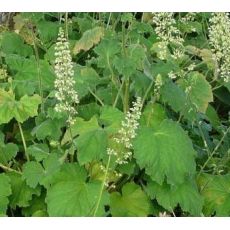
[
  {"x": 123, "y": 138},
  {"x": 126, "y": 133},
  {"x": 64, "y": 84},
  {"x": 167, "y": 33},
  {"x": 219, "y": 34}
]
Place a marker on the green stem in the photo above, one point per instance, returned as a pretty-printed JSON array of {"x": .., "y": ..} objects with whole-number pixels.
[
  {"x": 97, "y": 98},
  {"x": 118, "y": 94},
  {"x": 23, "y": 141},
  {"x": 9, "y": 169},
  {"x": 66, "y": 25},
  {"x": 38, "y": 68},
  {"x": 204, "y": 140},
  {"x": 126, "y": 96},
  {"x": 102, "y": 187},
  {"x": 72, "y": 144},
  {"x": 110, "y": 14},
  {"x": 147, "y": 92},
  {"x": 213, "y": 152}
]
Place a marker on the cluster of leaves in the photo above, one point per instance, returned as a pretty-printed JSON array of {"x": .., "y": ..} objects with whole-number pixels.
[{"x": 181, "y": 155}]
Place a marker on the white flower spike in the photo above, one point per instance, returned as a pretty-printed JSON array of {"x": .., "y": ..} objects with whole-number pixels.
[{"x": 64, "y": 84}]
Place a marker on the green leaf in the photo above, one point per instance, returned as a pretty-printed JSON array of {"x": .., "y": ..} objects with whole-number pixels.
[
  {"x": 38, "y": 151},
  {"x": 132, "y": 202},
  {"x": 37, "y": 207},
  {"x": 27, "y": 107},
  {"x": 173, "y": 95},
  {"x": 127, "y": 65},
  {"x": 86, "y": 79},
  {"x": 106, "y": 51},
  {"x": 79, "y": 128},
  {"x": 213, "y": 117},
  {"x": 52, "y": 166},
  {"x": 25, "y": 74},
  {"x": 71, "y": 196},
  {"x": 48, "y": 128},
  {"x": 7, "y": 152},
  {"x": 21, "y": 193},
  {"x": 20, "y": 110},
  {"x": 216, "y": 192},
  {"x": 186, "y": 195},
  {"x": 5, "y": 192},
  {"x": 89, "y": 38},
  {"x": 165, "y": 151},
  {"x": 111, "y": 118},
  {"x": 200, "y": 93},
  {"x": 91, "y": 146},
  {"x": 32, "y": 173},
  {"x": 152, "y": 115},
  {"x": 18, "y": 47},
  {"x": 47, "y": 30}
]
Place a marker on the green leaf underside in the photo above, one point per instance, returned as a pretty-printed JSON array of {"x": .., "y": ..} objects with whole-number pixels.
[{"x": 89, "y": 38}]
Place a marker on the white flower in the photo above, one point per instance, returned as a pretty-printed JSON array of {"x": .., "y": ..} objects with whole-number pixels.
[
  {"x": 168, "y": 34},
  {"x": 64, "y": 84},
  {"x": 219, "y": 34},
  {"x": 127, "y": 132},
  {"x": 3, "y": 73}
]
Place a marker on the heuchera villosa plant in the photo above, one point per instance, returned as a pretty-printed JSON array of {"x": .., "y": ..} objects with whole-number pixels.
[{"x": 114, "y": 114}]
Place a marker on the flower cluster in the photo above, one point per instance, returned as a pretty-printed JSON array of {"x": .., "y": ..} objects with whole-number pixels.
[
  {"x": 3, "y": 73},
  {"x": 168, "y": 34},
  {"x": 158, "y": 85},
  {"x": 127, "y": 133},
  {"x": 219, "y": 34},
  {"x": 64, "y": 83}
]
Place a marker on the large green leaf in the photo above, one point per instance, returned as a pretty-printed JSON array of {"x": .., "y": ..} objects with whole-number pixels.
[
  {"x": 91, "y": 146},
  {"x": 132, "y": 202},
  {"x": 70, "y": 195},
  {"x": 20, "y": 110},
  {"x": 106, "y": 51},
  {"x": 26, "y": 75},
  {"x": 152, "y": 115},
  {"x": 186, "y": 195},
  {"x": 111, "y": 118},
  {"x": 5, "y": 192},
  {"x": 127, "y": 65},
  {"x": 89, "y": 38},
  {"x": 12, "y": 43},
  {"x": 216, "y": 192},
  {"x": 165, "y": 151},
  {"x": 173, "y": 95}
]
